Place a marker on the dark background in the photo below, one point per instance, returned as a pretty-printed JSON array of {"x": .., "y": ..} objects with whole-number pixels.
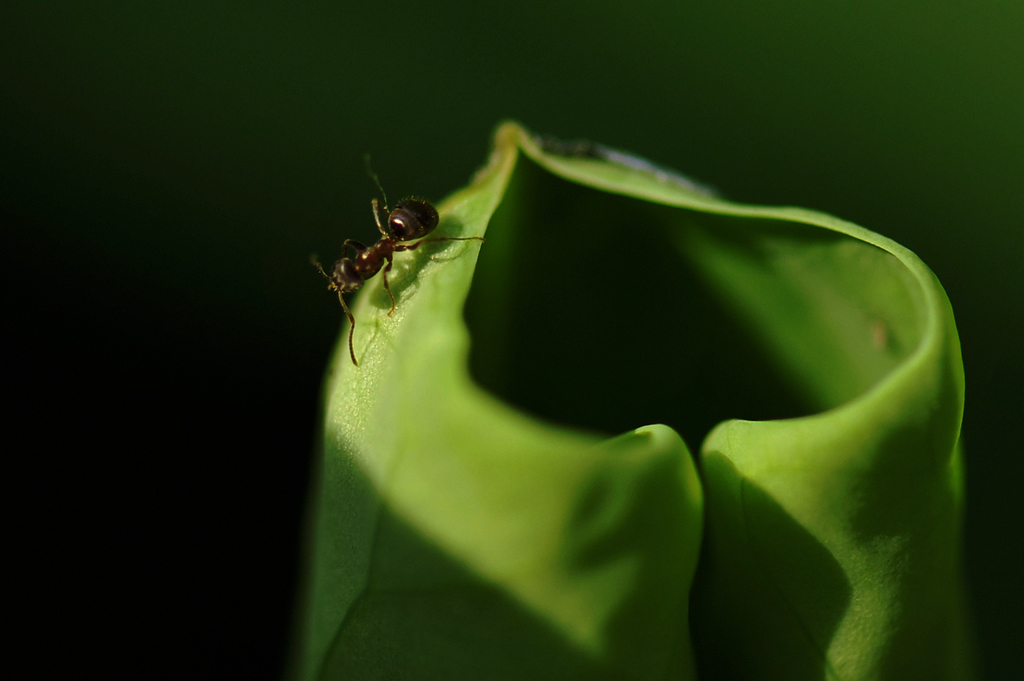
[{"x": 167, "y": 168}]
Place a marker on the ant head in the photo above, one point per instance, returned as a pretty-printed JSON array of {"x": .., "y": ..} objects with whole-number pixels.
[
  {"x": 412, "y": 219},
  {"x": 345, "y": 277}
]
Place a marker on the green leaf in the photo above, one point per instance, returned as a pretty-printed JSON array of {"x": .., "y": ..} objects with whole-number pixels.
[
  {"x": 454, "y": 536},
  {"x": 833, "y": 540}
]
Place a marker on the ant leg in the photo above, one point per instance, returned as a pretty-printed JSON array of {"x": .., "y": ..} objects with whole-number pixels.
[
  {"x": 387, "y": 268},
  {"x": 356, "y": 246},
  {"x": 376, "y": 217},
  {"x": 351, "y": 327},
  {"x": 376, "y": 181},
  {"x": 412, "y": 247}
]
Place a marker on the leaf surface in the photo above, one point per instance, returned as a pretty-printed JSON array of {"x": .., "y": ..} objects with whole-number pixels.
[{"x": 455, "y": 536}]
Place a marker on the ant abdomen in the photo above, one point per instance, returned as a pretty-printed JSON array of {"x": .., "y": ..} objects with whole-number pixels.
[{"x": 412, "y": 219}]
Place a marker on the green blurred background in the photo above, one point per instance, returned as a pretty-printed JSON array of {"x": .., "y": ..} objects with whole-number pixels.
[{"x": 169, "y": 167}]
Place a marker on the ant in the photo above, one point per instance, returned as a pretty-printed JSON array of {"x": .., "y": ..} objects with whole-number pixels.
[{"x": 411, "y": 219}]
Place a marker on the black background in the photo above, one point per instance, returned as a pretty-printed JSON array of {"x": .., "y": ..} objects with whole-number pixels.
[{"x": 168, "y": 167}]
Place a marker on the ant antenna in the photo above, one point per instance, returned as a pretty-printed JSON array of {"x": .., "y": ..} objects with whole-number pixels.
[
  {"x": 373, "y": 176},
  {"x": 315, "y": 260}
]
